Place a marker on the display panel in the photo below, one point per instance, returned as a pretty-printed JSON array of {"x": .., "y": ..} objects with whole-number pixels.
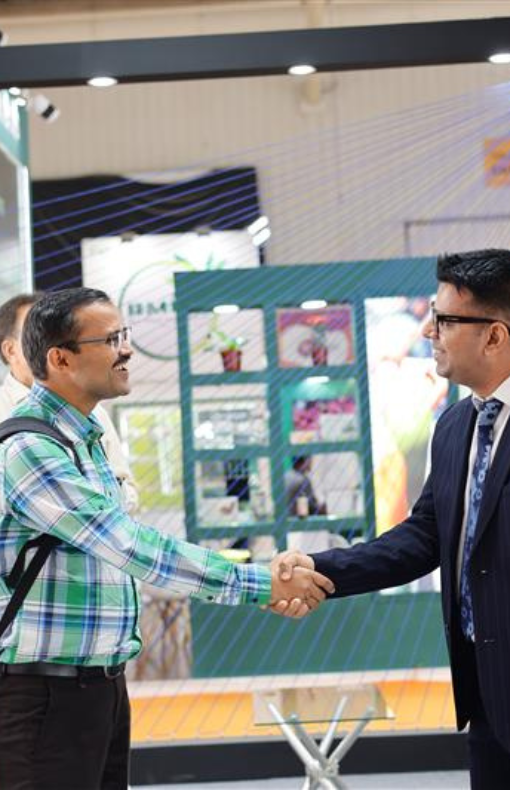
[
  {"x": 151, "y": 443},
  {"x": 321, "y": 411},
  {"x": 226, "y": 342},
  {"x": 309, "y": 338},
  {"x": 236, "y": 491},
  {"x": 228, "y": 416},
  {"x": 406, "y": 398},
  {"x": 324, "y": 484}
]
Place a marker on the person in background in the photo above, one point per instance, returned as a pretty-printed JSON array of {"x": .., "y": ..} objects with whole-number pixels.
[
  {"x": 19, "y": 379},
  {"x": 64, "y": 707},
  {"x": 461, "y": 520},
  {"x": 301, "y": 499}
]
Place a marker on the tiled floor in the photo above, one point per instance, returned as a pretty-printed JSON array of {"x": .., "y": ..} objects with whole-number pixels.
[{"x": 440, "y": 780}]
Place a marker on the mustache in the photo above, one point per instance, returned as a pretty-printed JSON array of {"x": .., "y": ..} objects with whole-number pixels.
[{"x": 124, "y": 358}]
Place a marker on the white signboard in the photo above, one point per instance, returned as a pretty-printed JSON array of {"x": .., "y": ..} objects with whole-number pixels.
[{"x": 138, "y": 274}]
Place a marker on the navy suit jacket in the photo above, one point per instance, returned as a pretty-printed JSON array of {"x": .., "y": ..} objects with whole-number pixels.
[{"x": 430, "y": 537}]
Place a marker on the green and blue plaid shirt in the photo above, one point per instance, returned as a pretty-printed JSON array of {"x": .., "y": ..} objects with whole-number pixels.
[{"x": 84, "y": 606}]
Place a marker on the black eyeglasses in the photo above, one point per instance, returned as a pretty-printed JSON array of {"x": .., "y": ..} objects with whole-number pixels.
[
  {"x": 115, "y": 339},
  {"x": 438, "y": 319}
]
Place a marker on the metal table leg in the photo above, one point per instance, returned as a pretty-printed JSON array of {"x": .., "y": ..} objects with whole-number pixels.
[
  {"x": 351, "y": 737},
  {"x": 322, "y": 770},
  {"x": 288, "y": 730}
]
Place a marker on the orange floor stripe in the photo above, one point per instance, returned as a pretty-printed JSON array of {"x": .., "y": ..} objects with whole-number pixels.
[{"x": 417, "y": 705}]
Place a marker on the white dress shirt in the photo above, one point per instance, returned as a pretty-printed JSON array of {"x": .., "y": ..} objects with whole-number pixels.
[
  {"x": 502, "y": 393},
  {"x": 13, "y": 392}
]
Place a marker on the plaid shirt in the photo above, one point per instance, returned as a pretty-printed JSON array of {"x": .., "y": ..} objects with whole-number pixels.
[{"x": 84, "y": 607}]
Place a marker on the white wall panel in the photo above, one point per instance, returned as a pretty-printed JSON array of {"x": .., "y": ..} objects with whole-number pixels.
[{"x": 337, "y": 179}]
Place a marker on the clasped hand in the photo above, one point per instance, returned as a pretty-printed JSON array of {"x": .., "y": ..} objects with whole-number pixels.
[{"x": 296, "y": 588}]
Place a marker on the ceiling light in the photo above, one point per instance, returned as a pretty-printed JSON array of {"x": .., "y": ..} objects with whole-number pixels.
[
  {"x": 102, "y": 82},
  {"x": 301, "y": 70},
  {"x": 313, "y": 304},
  {"x": 226, "y": 309},
  {"x": 500, "y": 57},
  {"x": 15, "y": 91},
  {"x": 258, "y": 224},
  {"x": 261, "y": 236}
]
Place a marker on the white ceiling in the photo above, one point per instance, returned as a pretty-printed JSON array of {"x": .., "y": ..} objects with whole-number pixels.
[{"x": 44, "y": 21}]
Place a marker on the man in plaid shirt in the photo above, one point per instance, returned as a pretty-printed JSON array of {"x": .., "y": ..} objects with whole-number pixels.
[{"x": 64, "y": 709}]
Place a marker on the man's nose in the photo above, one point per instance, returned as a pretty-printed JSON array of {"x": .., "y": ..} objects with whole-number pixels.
[
  {"x": 126, "y": 348},
  {"x": 428, "y": 329}
]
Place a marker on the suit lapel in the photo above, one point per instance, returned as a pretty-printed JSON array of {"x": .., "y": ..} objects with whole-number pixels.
[{"x": 498, "y": 474}]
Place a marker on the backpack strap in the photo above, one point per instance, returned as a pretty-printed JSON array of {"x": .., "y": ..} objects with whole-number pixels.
[
  {"x": 45, "y": 543},
  {"x": 34, "y": 425},
  {"x": 21, "y": 579}
]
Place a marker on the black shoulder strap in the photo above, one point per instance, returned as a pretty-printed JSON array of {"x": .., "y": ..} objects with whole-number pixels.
[
  {"x": 34, "y": 425},
  {"x": 21, "y": 579}
]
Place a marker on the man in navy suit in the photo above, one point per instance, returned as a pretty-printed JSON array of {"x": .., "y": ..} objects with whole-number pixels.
[{"x": 461, "y": 521}]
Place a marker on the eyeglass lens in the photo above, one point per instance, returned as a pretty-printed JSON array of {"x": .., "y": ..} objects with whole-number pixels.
[{"x": 121, "y": 336}]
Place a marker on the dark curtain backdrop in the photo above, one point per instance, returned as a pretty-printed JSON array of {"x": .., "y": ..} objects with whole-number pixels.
[{"x": 65, "y": 211}]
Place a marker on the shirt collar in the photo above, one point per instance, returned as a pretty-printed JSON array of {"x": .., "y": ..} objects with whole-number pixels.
[
  {"x": 61, "y": 411},
  {"x": 15, "y": 388},
  {"x": 502, "y": 393}
]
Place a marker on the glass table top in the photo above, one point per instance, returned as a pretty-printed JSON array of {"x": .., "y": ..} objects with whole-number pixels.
[{"x": 320, "y": 704}]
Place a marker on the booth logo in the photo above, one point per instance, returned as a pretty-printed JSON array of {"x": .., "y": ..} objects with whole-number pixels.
[{"x": 147, "y": 302}]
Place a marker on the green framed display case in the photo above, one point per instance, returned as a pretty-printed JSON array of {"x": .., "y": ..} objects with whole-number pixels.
[
  {"x": 275, "y": 292},
  {"x": 316, "y": 404}
]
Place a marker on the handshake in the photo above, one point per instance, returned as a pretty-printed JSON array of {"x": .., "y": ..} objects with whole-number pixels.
[{"x": 296, "y": 588}]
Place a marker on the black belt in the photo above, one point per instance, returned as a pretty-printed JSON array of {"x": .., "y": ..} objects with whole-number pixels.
[{"x": 42, "y": 668}]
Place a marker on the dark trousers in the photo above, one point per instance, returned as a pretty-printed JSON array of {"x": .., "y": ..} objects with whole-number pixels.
[
  {"x": 63, "y": 734},
  {"x": 489, "y": 761}
]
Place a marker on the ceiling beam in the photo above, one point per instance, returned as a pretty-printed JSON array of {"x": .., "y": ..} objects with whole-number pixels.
[{"x": 255, "y": 54}]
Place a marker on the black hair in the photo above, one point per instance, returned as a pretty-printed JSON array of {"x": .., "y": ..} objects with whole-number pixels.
[
  {"x": 9, "y": 315},
  {"x": 484, "y": 273},
  {"x": 298, "y": 461},
  {"x": 52, "y": 322}
]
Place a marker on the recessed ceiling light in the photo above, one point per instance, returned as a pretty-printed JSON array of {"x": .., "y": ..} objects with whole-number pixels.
[
  {"x": 301, "y": 70},
  {"x": 500, "y": 57},
  {"x": 102, "y": 82}
]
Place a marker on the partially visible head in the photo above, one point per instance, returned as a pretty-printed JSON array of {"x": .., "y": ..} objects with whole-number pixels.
[
  {"x": 69, "y": 341},
  {"x": 484, "y": 274},
  {"x": 473, "y": 285},
  {"x": 12, "y": 317},
  {"x": 302, "y": 463}
]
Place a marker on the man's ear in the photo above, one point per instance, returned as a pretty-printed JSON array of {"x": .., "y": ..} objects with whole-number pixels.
[
  {"x": 57, "y": 359},
  {"x": 8, "y": 348},
  {"x": 498, "y": 337}
]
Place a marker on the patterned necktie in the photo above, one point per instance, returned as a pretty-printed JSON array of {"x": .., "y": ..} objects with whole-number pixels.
[{"x": 487, "y": 414}]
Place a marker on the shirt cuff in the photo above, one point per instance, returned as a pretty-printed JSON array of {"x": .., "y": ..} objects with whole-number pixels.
[{"x": 255, "y": 584}]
